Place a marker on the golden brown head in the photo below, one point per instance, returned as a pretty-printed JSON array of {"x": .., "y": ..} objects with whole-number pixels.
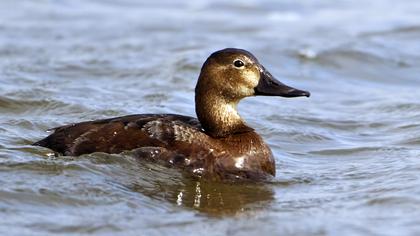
[
  {"x": 226, "y": 77},
  {"x": 236, "y": 73}
]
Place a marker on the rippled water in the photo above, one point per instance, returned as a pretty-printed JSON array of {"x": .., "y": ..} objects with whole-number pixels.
[{"x": 348, "y": 158}]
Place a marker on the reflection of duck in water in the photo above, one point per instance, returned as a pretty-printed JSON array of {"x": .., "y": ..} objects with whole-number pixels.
[
  {"x": 218, "y": 145},
  {"x": 219, "y": 198},
  {"x": 214, "y": 198}
]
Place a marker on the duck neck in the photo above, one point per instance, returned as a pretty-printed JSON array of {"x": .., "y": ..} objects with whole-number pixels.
[{"x": 218, "y": 116}]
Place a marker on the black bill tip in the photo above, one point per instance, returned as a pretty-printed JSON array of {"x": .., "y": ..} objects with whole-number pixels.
[{"x": 298, "y": 93}]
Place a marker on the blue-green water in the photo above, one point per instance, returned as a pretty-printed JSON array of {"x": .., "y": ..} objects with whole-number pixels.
[{"x": 347, "y": 158}]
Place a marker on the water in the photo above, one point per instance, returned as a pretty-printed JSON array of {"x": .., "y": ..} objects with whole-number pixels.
[{"x": 347, "y": 158}]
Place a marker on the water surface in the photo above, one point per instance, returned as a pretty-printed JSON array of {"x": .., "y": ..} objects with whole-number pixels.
[{"x": 347, "y": 158}]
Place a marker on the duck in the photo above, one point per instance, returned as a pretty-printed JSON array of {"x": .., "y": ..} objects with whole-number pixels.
[{"x": 218, "y": 144}]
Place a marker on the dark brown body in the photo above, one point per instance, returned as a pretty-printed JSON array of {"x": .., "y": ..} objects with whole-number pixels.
[{"x": 173, "y": 139}]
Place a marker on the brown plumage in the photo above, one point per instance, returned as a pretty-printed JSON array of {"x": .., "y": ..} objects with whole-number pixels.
[{"x": 218, "y": 145}]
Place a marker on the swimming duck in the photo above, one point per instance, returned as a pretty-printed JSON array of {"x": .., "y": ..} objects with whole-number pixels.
[{"x": 218, "y": 145}]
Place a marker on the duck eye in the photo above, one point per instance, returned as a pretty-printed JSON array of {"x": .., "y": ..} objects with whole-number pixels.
[{"x": 238, "y": 63}]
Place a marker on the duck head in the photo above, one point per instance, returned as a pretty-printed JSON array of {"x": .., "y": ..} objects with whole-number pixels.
[
  {"x": 236, "y": 74},
  {"x": 226, "y": 77}
]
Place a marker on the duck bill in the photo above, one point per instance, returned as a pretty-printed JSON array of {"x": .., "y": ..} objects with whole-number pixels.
[{"x": 270, "y": 86}]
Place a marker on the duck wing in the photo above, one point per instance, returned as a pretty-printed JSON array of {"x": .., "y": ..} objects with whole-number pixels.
[{"x": 122, "y": 133}]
